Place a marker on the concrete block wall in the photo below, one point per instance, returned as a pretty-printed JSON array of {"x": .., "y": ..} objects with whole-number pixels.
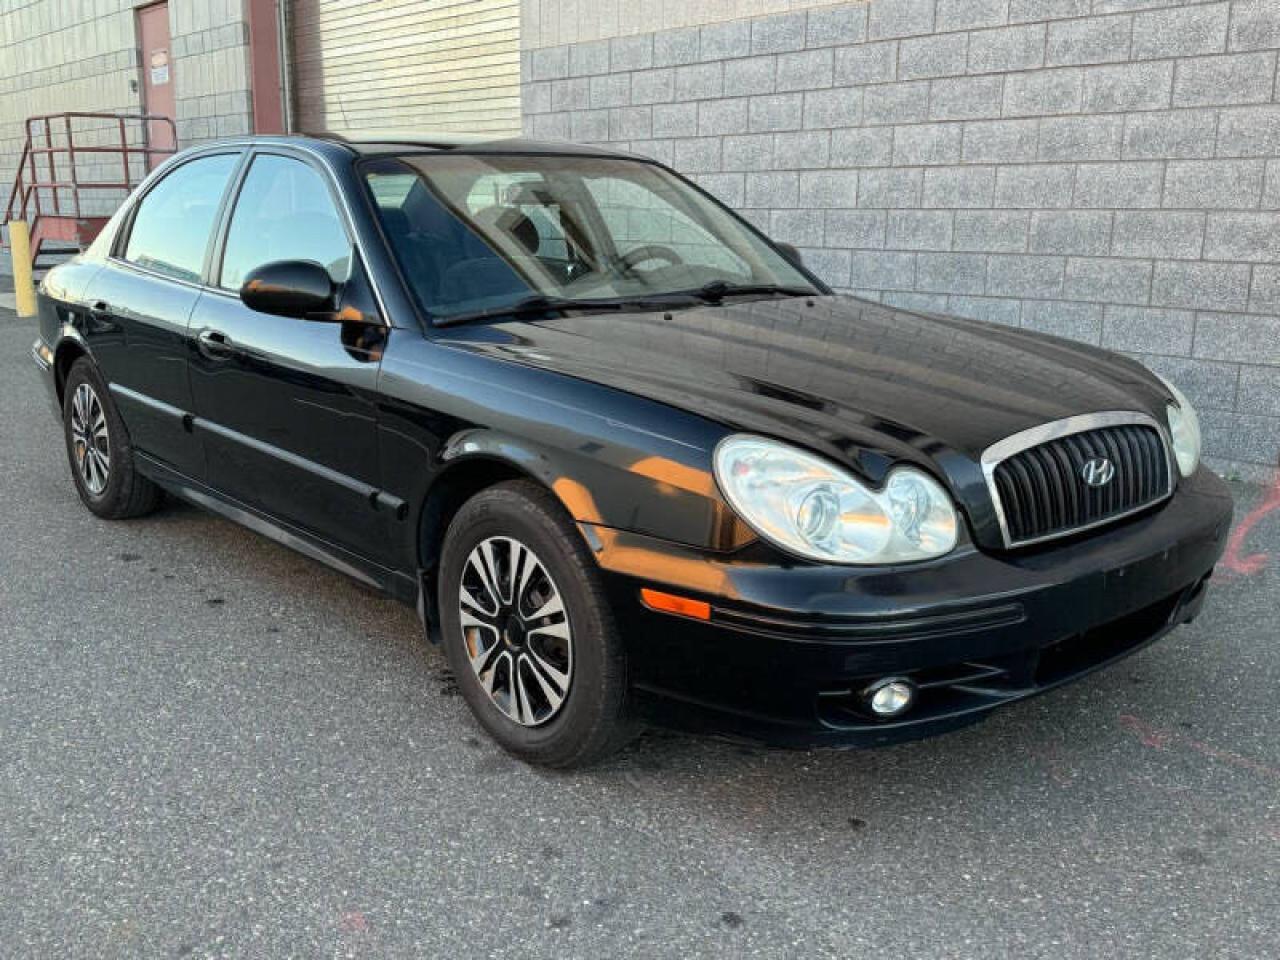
[
  {"x": 50, "y": 63},
  {"x": 67, "y": 55},
  {"x": 548, "y": 23},
  {"x": 1107, "y": 170},
  {"x": 211, "y": 69}
]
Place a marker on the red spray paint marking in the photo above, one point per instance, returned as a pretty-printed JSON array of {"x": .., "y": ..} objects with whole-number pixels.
[
  {"x": 353, "y": 922},
  {"x": 1159, "y": 739},
  {"x": 1246, "y": 566},
  {"x": 1148, "y": 735}
]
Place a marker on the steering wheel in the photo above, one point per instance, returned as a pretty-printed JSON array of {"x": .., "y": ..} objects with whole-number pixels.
[{"x": 650, "y": 251}]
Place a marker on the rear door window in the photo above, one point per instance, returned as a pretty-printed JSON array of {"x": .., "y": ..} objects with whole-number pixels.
[{"x": 171, "y": 228}]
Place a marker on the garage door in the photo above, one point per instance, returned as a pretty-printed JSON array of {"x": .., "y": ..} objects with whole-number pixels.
[{"x": 405, "y": 65}]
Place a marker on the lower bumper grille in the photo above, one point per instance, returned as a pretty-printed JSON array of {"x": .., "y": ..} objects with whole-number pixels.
[{"x": 974, "y": 687}]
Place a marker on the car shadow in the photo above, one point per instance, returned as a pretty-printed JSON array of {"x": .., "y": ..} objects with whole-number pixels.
[{"x": 1108, "y": 725}]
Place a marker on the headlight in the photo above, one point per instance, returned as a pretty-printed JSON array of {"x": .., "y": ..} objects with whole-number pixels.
[
  {"x": 810, "y": 507},
  {"x": 1184, "y": 429}
]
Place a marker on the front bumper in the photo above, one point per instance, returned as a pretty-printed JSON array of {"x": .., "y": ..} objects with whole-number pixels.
[{"x": 789, "y": 646}]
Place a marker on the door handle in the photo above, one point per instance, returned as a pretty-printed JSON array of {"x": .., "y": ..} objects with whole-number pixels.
[{"x": 214, "y": 344}]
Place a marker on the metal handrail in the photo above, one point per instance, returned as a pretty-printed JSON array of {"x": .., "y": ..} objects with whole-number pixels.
[
  {"x": 17, "y": 183},
  {"x": 26, "y": 193}
]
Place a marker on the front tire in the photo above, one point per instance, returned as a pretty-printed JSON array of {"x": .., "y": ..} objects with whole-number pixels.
[
  {"x": 98, "y": 449},
  {"x": 528, "y": 632}
]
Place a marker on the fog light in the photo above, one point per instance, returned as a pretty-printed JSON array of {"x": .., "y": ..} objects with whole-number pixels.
[{"x": 890, "y": 697}]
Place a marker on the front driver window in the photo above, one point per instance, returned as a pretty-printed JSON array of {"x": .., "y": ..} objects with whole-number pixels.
[
  {"x": 284, "y": 212},
  {"x": 171, "y": 229}
]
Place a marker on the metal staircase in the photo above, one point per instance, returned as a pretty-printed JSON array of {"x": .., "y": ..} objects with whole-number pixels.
[{"x": 65, "y": 205}]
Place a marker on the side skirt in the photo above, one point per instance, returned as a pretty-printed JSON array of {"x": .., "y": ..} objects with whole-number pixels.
[{"x": 403, "y": 587}]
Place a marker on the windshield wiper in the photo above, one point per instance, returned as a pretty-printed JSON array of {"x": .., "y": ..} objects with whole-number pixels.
[
  {"x": 535, "y": 304},
  {"x": 545, "y": 304},
  {"x": 712, "y": 292},
  {"x": 717, "y": 290}
]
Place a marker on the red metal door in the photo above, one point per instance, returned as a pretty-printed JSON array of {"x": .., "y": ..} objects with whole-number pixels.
[{"x": 157, "y": 74}]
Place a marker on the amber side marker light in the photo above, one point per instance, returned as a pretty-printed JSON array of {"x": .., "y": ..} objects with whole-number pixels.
[{"x": 670, "y": 603}]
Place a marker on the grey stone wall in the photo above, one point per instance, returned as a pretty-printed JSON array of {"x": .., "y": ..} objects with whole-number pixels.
[
  {"x": 1107, "y": 170},
  {"x": 50, "y": 64},
  {"x": 58, "y": 56},
  {"x": 211, "y": 64}
]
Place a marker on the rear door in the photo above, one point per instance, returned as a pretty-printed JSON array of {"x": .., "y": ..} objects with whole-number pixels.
[
  {"x": 141, "y": 301},
  {"x": 286, "y": 408}
]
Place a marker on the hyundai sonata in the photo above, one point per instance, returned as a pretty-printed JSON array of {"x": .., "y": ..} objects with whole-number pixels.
[{"x": 630, "y": 459}]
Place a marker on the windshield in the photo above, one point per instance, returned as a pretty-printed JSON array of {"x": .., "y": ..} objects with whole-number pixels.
[{"x": 477, "y": 233}]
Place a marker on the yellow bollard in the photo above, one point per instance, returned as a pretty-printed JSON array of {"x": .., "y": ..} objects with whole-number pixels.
[{"x": 20, "y": 249}]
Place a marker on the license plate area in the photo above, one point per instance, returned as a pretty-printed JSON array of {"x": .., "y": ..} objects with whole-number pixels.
[{"x": 1081, "y": 651}]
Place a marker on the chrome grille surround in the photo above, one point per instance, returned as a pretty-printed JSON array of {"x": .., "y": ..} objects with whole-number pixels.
[{"x": 1001, "y": 450}]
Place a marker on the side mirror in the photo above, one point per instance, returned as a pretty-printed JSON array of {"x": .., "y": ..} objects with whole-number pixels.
[
  {"x": 789, "y": 251},
  {"x": 290, "y": 288}
]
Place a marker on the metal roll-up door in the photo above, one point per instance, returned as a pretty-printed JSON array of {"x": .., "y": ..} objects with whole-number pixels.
[{"x": 366, "y": 65}]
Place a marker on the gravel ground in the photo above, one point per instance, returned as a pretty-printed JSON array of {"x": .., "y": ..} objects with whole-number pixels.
[{"x": 215, "y": 747}]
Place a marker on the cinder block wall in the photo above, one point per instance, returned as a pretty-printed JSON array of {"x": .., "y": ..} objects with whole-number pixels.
[
  {"x": 211, "y": 64},
  {"x": 65, "y": 55},
  {"x": 51, "y": 63},
  {"x": 1107, "y": 170}
]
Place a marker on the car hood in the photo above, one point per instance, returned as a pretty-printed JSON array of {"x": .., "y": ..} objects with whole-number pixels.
[{"x": 863, "y": 382}]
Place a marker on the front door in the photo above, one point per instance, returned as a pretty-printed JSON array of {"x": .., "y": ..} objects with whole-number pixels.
[
  {"x": 286, "y": 407},
  {"x": 157, "y": 76}
]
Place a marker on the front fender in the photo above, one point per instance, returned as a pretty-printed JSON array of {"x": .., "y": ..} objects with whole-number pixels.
[
  {"x": 61, "y": 306},
  {"x": 612, "y": 458},
  {"x": 640, "y": 490}
]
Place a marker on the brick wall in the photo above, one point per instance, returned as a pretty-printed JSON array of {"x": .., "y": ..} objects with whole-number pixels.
[{"x": 1107, "y": 170}]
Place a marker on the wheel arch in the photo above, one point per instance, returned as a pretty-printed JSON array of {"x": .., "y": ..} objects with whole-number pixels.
[
  {"x": 68, "y": 351},
  {"x": 471, "y": 463},
  {"x": 475, "y": 459},
  {"x": 456, "y": 483}
]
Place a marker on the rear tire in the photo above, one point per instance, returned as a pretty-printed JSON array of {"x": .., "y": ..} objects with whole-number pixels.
[
  {"x": 528, "y": 632},
  {"x": 98, "y": 449}
]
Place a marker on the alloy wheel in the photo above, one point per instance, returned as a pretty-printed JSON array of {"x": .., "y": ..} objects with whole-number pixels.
[
  {"x": 90, "y": 441},
  {"x": 516, "y": 630}
]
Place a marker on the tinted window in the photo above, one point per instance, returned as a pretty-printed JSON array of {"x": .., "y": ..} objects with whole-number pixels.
[
  {"x": 284, "y": 212},
  {"x": 429, "y": 239},
  {"x": 171, "y": 228},
  {"x": 480, "y": 232},
  {"x": 508, "y": 195},
  {"x": 642, "y": 213}
]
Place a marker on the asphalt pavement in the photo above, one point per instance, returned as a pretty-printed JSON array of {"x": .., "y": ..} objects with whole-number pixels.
[{"x": 211, "y": 746}]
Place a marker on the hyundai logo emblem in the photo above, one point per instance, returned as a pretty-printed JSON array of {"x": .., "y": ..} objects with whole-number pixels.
[{"x": 1098, "y": 472}]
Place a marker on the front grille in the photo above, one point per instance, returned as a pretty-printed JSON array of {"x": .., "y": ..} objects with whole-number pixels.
[{"x": 1042, "y": 490}]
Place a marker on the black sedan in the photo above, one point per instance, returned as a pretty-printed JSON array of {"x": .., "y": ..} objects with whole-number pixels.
[{"x": 629, "y": 458}]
